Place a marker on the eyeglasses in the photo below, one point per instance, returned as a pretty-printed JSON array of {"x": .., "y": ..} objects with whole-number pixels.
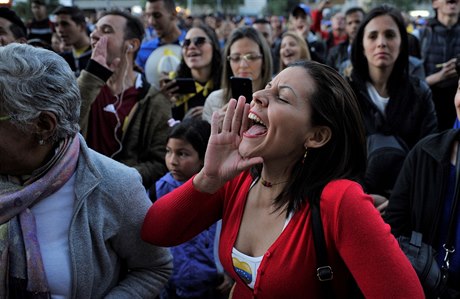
[
  {"x": 4, "y": 118},
  {"x": 248, "y": 57},
  {"x": 198, "y": 41}
]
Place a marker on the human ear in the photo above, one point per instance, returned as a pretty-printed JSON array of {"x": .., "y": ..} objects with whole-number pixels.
[
  {"x": 318, "y": 137},
  {"x": 83, "y": 28},
  {"x": 173, "y": 15},
  {"x": 45, "y": 125},
  {"x": 132, "y": 45}
]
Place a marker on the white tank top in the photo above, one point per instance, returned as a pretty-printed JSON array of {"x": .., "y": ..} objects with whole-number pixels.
[{"x": 246, "y": 266}]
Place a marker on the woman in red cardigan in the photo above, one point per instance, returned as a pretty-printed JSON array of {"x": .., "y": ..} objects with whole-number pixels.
[{"x": 303, "y": 138}]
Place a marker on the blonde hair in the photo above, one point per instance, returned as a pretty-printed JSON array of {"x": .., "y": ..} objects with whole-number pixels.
[{"x": 304, "y": 51}]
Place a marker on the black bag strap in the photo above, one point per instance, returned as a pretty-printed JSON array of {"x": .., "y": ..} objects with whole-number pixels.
[
  {"x": 449, "y": 244},
  {"x": 323, "y": 269}
]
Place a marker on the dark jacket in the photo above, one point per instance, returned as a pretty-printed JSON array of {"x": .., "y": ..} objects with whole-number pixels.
[
  {"x": 418, "y": 198},
  {"x": 337, "y": 55},
  {"x": 42, "y": 30},
  {"x": 144, "y": 141},
  {"x": 410, "y": 115},
  {"x": 420, "y": 189},
  {"x": 317, "y": 47},
  {"x": 77, "y": 64},
  {"x": 439, "y": 44}
]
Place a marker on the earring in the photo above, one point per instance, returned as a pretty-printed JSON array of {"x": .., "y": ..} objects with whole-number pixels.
[
  {"x": 41, "y": 142},
  {"x": 305, "y": 155}
]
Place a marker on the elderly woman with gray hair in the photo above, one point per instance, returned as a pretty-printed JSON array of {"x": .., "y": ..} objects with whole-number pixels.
[{"x": 69, "y": 226}]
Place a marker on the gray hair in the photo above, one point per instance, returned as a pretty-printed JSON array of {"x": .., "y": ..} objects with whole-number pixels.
[{"x": 33, "y": 80}]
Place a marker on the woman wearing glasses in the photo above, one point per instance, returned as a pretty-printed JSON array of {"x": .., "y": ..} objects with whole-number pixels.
[
  {"x": 293, "y": 47},
  {"x": 248, "y": 55},
  {"x": 201, "y": 61}
]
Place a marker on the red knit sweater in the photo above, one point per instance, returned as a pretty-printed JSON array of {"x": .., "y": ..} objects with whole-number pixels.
[{"x": 359, "y": 243}]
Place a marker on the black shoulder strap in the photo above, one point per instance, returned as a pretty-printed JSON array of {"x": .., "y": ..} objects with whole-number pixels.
[{"x": 323, "y": 270}]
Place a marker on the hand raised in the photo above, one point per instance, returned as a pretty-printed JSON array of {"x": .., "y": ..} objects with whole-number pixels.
[
  {"x": 223, "y": 160},
  {"x": 99, "y": 54}
]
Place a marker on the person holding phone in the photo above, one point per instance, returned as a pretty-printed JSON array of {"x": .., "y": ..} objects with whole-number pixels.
[
  {"x": 201, "y": 61},
  {"x": 247, "y": 55}
]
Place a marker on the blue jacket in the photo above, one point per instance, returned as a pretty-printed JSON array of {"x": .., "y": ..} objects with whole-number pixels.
[
  {"x": 148, "y": 47},
  {"x": 195, "y": 273}
]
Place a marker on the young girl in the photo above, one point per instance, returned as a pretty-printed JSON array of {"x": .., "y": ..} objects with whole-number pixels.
[
  {"x": 185, "y": 150},
  {"x": 195, "y": 271}
]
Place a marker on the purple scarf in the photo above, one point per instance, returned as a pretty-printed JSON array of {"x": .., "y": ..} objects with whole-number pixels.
[{"x": 17, "y": 219}]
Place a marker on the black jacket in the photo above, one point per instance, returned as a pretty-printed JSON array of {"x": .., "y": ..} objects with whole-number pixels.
[
  {"x": 419, "y": 192},
  {"x": 337, "y": 55},
  {"x": 418, "y": 196},
  {"x": 77, "y": 64},
  {"x": 439, "y": 44},
  {"x": 410, "y": 114}
]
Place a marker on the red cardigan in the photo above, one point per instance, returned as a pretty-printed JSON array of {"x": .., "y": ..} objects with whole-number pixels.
[{"x": 359, "y": 243}]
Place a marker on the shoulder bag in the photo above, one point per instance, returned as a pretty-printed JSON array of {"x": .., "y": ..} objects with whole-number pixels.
[{"x": 422, "y": 256}]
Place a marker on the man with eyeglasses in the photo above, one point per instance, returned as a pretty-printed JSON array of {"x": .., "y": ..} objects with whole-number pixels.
[{"x": 162, "y": 16}]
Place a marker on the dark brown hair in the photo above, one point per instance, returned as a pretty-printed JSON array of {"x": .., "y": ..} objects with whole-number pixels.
[{"x": 334, "y": 105}]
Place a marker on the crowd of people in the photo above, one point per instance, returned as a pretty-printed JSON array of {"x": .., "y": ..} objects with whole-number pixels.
[{"x": 133, "y": 165}]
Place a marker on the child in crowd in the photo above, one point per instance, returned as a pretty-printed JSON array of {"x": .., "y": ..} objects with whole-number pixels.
[
  {"x": 195, "y": 272},
  {"x": 185, "y": 150}
]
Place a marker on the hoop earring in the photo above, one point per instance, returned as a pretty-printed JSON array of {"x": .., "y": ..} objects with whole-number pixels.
[{"x": 305, "y": 155}]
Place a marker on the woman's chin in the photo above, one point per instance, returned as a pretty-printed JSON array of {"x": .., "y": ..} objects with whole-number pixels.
[
  {"x": 249, "y": 148},
  {"x": 288, "y": 60}
]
